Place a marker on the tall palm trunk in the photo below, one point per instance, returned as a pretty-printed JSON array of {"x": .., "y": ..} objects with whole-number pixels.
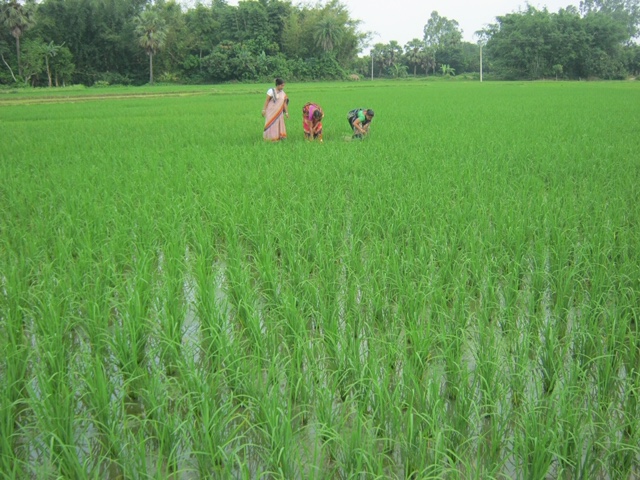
[
  {"x": 18, "y": 54},
  {"x": 151, "y": 68}
]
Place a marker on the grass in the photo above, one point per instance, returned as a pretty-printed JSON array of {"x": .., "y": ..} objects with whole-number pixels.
[{"x": 454, "y": 297}]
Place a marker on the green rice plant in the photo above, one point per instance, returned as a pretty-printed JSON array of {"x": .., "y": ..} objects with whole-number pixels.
[
  {"x": 98, "y": 310},
  {"x": 164, "y": 426},
  {"x": 420, "y": 334},
  {"x": 280, "y": 453},
  {"x": 535, "y": 440},
  {"x": 216, "y": 425},
  {"x": 460, "y": 421},
  {"x": 210, "y": 315},
  {"x": 268, "y": 272},
  {"x": 584, "y": 349},
  {"x": 245, "y": 378},
  {"x": 551, "y": 359},
  {"x": 606, "y": 374},
  {"x": 631, "y": 390},
  {"x": 12, "y": 407},
  {"x": 357, "y": 454},
  {"x": 563, "y": 274},
  {"x": 518, "y": 370},
  {"x": 538, "y": 288},
  {"x": 330, "y": 329},
  {"x": 511, "y": 291},
  {"x": 574, "y": 442},
  {"x": 385, "y": 417},
  {"x": 631, "y": 337},
  {"x": 133, "y": 327},
  {"x": 172, "y": 307},
  {"x": 452, "y": 355},
  {"x": 421, "y": 444},
  {"x": 135, "y": 462},
  {"x": 328, "y": 424},
  {"x": 493, "y": 442},
  {"x": 52, "y": 393},
  {"x": 54, "y": 403},
  {"x": 487, "y": 369},
  {"x": 491, "y": 378},
  {"x": 621, "y": 454},
  {"x": 102, "y": 404},
  {"x": 242, "y": 298},
  {"x": 14, "y": 371},
  {"x": 299, "y": 368}
]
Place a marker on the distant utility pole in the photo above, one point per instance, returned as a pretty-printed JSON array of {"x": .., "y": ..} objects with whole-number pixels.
[
  {"x": 480, "y": 62},
  {"x": 482, "y": 41},
  {"x": 369, "y": 41}
]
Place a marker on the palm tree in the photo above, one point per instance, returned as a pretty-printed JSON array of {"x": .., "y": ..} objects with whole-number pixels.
[
  {"x": 17, "y": 19},
  {"x": 150, "y": 28},
  {"x": 391, "y": 54},
  {"x": 414, "y": 51},
  {"x": 328, "y": 32},
  {"x": 378, "y": 53}
]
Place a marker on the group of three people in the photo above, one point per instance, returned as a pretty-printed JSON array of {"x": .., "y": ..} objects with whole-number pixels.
[{"x": 276, "y": 107}]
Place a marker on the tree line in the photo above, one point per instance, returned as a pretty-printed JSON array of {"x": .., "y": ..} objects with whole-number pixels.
[{"x": 132, "y": 42}]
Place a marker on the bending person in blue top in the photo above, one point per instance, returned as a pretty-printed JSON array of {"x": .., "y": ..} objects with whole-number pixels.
[{"x": 359, "y": 120}]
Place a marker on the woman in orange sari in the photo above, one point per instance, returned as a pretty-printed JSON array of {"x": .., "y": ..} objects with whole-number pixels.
[
  {"x": 312, "y": 116},
  {"x": 275, "y": 108}
]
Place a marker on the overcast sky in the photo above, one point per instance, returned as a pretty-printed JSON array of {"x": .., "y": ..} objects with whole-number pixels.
[{"x": 403, "y": 20}]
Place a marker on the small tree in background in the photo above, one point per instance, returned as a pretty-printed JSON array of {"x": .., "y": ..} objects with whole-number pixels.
[
  {"x": 33, "y": 56},
  {"x": 557, "y": 69},
  {"x": 50, "y": 50},
  {"x": 62, "y": 66},
  {"x": 447, "y": 71},
  {"x": 440, "y": 34}
]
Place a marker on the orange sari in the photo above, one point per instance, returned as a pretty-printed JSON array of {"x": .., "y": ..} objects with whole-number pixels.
[
  {"x": 308, "y": 121},
  {"x": 274, "y": 127}
]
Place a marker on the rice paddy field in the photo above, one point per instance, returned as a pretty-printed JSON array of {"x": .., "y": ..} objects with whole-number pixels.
[{"x": 455, "y": 297}]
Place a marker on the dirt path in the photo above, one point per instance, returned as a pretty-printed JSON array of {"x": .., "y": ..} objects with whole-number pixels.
[{"x": 84, "y": 98}]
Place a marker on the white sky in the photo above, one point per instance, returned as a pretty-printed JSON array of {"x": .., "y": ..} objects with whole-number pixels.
[{"x": 403, "y": 20}]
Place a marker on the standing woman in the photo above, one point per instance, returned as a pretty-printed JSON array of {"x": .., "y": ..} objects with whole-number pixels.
[
  {"x": 312, "y": 116},
  {"x": 275, "y": 107}
]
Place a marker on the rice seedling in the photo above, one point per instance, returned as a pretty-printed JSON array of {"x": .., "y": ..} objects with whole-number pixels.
[{"x": 456, "y": 297}]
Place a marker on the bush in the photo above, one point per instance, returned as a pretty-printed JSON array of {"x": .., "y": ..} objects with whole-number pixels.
[
  {"x": 168, "y": 77},
  {"x": 113, "y": 78}
]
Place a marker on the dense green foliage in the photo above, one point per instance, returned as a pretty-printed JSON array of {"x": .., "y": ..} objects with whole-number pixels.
[
  {"x": 455, "y": 297},
  {"x": 536, "y": 44},
  {"x": 62, "y": 42},
  {"x": 251, "y": 41}
]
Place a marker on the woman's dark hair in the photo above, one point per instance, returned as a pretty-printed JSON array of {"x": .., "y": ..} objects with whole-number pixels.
[
  {"x": 317, "y": 115},
  {"x": 369, "y": 112},
  {"x": 279, "y": 81}
]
